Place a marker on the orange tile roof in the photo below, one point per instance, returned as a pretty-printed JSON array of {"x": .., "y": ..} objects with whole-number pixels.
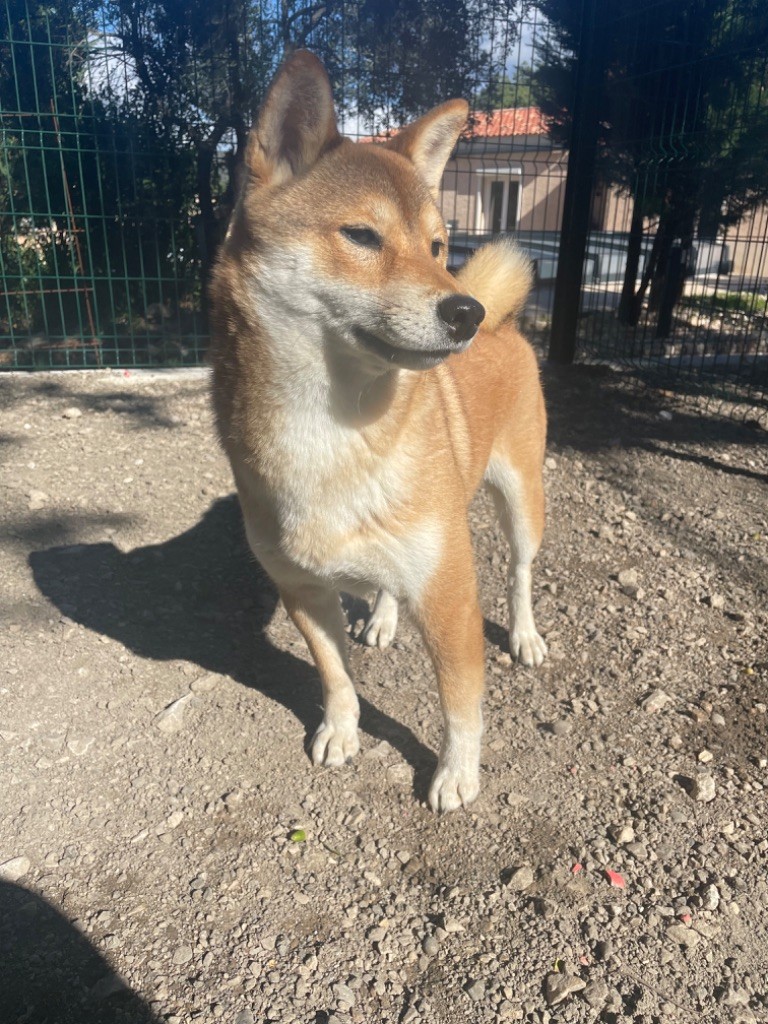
[{"x": 506, "y": 122}]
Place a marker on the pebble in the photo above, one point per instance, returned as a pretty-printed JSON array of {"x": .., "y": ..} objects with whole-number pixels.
[
  {"x": 171, "y": 718},
  {"x": 80, "y": 746},
  {"x": 72, "y": 413},
  {"x": 562, "y": 727},
  {"x": 430, "y": 945},
  {"x": 476, "y": 990},
  {"x": 520, "y": 879},
  {"x": 622, "y": 834},
  {"x": 628, "y": 578},
  {"x": 710, "y": 898},
  {"x": 557, "y": 987},
  {"x": 655, "y": 701},
  {"x": 703, "y": 788},
  {"x": 206, "y": 683},
  {"x": 182, "y": 955},
  {"x": 37, "y": 500},
  {"x": 595, "y": 994},
  {"x": 706, "y": 756},
  {"x": 14, "y": 869},
  {"x": 682, "y": 935}
]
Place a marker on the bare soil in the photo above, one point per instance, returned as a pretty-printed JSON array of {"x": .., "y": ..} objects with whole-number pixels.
[{"x": 180, "y": 862}]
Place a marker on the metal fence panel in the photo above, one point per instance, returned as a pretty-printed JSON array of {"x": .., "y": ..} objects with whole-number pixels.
[{"x": 123, "y": 125}]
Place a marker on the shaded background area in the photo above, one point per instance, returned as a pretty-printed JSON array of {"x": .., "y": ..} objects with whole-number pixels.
[{"x": 51, "y": 974}]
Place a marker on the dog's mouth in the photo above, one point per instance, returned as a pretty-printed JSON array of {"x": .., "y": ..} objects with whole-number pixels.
[{"x": 405, "y": 358}]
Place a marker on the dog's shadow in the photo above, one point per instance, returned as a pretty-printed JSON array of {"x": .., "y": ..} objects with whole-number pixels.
[{"x": 201, "y": 597}]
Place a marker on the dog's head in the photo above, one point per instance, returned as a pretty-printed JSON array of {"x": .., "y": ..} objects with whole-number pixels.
[{"x": 348, "y": 234}]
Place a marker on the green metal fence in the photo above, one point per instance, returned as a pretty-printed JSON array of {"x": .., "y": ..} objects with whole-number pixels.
[{"x": 626, "y": 146}]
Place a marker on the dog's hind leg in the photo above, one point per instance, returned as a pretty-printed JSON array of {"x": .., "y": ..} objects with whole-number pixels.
[
  {"x": 318, "y": 616},
  {"x": 380, "y": 628},
  {"x": 518, "y": 494}
]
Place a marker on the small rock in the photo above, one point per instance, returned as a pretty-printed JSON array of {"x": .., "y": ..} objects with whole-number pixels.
[
  {"x": 716, "y": 601},
  {"x": 344, "y": 994},
  {"x": 81, "y": 746},
  {"x": 244, "y": 1017},
  {"x": 706, "y": 756},
  {"x": 655, "y": 701},
  {"x": 622, "y": 834},
  {"x": 430, "y": 945},
  {"x": 682, "y": 935},
  {"x": 14, "y": 869},
  {"x": 710, "y": 898},
  {"x": 72, "y": 413},
  {"x": 182, "y": 955},
  {"x": 550, "y": 463},
  {"x": 558, "y": 987},
  {"x": 37, "y": 500},
  {"x": 520, "y": 879},
  {"x": 206, "y": 683},
  {"x": 110, "y": 985},
  {"x": 171, "y": 718},
  {"x": 596, "y": 994},
  {"x": 562, "y": 727},
  {"x": 174, "y": 820},
  {"x": 703, "y": 788},
  {"x": 233, "y": 799},
  {"x": 475, "y": 990}
]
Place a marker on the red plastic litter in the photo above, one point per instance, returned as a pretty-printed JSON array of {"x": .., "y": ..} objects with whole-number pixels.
[
  {"x": 577, "y": 868},
  {"x": 616, "y": 880},
  {"x": 685, "y": 918}
]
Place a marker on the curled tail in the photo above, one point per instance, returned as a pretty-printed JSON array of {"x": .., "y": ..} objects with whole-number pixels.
[{"x": 499, "y": 276}]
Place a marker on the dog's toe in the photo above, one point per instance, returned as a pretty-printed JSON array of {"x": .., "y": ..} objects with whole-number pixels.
[
  {"x": 334, "y": 743},
  {"x": 452, "y": 788},
  {"x": 528, "y": 647},
  {"x": 380, "y": 628}
]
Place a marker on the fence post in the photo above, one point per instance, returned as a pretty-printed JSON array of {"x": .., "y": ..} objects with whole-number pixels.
[{"x": 579, "y": 185}]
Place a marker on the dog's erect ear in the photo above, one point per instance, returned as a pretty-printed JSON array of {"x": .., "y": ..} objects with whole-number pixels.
[
  {"x": 296, "y": 124},
  {"x": 428, "y": 142}
]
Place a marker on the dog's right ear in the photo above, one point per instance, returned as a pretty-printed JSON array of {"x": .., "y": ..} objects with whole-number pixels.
[{"x": 296, "y": 124}]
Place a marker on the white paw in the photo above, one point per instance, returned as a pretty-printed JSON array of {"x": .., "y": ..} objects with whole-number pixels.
[
  {"x": 380, "y": 628},
  {"x": 453, "y": 786},
  {"x": 527, "y": 646},
  {"x": 335, "y": 741}
]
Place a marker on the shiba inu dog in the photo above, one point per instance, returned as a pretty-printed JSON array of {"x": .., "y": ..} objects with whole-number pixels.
[{"x": 363, "y": 394}]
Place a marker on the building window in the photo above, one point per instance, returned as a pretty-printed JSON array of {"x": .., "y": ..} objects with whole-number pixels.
[{"x": 500, "y": 207}]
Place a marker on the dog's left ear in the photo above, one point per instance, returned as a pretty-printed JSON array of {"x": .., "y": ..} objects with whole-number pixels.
[
  {"x": 296, "y": 124},
  {"x": 428, "y": 142}
]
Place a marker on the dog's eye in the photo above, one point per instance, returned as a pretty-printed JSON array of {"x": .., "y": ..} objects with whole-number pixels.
[
  {"x": 366, "y": 237},
  {"x": 437, "y": 247}
]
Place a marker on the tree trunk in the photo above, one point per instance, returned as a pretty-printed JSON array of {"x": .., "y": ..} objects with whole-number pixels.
[
  {"x": 210, "y": 226},
  {"x": 629, "y": 305}
]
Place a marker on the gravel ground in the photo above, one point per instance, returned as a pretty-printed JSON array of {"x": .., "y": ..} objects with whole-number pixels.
[{"x": 167, "y": 850}]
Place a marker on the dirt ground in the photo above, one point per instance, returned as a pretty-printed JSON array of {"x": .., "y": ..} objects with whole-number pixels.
[{"x": 184, "y": 861}]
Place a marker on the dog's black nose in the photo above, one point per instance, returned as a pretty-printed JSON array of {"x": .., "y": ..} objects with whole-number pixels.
[{"x": 462, "y": 314}]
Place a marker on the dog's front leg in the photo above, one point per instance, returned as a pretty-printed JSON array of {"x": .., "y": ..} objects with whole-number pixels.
[
  {"x": 317, "y": 614},
  {"x": 451, "y": 623}
]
